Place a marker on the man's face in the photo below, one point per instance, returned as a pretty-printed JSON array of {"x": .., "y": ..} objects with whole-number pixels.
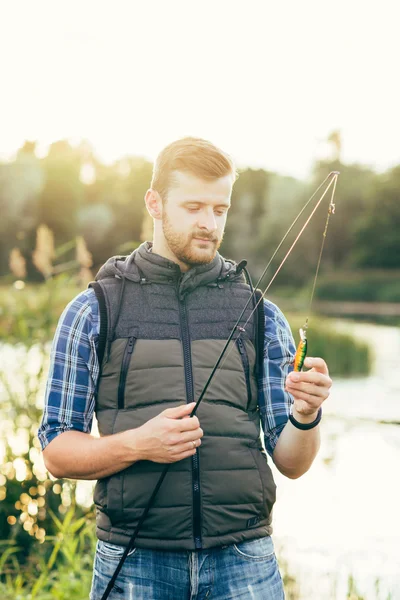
[{"x": 194, "y": 217}]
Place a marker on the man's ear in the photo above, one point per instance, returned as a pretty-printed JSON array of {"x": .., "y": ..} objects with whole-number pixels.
[{"x": 154, "y": 203}]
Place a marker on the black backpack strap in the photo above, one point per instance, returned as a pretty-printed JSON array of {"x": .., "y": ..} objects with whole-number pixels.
[
  {"x": 260, "y": 331},
  {"x": 259, "y": 321},
  {"x": 102, "y": 341}
]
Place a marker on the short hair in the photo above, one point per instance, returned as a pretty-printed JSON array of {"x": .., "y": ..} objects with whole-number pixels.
[{"x": 191, "y": 155}]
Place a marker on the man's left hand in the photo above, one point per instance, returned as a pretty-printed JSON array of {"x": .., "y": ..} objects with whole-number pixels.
[{"x": 309, "y": 388}]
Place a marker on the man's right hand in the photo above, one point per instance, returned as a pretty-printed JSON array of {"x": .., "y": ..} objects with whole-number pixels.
[{"x": 168, "y": 437}]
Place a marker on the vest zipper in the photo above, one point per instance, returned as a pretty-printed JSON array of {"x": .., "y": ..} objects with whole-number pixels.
[
  {"x": 124, "y": 371},
  {"x": 187, "y": 360},
  {"x": 245, "y": 362}
]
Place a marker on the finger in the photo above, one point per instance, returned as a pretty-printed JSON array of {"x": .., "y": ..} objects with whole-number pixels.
[
  {"x": 186, "y": 447},
  {"x": 186, "y": 424},
  {"x": 309, "y": 377},
  {"x": 307, "y": 388},
  {"x": 312, "y": 401},
  {"x": 178, "y": 412},
  {"x": 191, "y": 436},
  {"x": 184, "y": 455},
  {"x": 317, "y": 363}
]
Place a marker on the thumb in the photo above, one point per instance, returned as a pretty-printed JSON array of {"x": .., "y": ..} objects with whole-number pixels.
[{"x": 179, "y": 411}]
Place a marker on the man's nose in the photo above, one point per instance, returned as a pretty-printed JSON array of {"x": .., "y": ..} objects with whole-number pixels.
[{"x": 207, "y": 220}]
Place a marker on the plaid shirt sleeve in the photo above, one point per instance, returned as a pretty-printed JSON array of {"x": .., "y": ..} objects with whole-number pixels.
[
  {"x": 279, "y": 351},
  {"x": 73, "y": 371}
]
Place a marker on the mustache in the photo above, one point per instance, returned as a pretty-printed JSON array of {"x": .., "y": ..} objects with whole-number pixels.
[{"x": 205, "y": 236}]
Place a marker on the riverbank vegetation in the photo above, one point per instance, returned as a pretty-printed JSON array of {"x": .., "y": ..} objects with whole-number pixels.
[
  {"x": 360, "y": 286},
  {"x": 345, "y": 355}
]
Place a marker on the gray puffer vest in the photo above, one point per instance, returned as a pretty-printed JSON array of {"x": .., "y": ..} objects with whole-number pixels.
[{"x": 165, "y": 331}]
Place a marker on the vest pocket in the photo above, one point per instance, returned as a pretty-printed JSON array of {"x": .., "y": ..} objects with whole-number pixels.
[
  {"x": 126, "y": 359},
  {"x": 246, "y": 368}
]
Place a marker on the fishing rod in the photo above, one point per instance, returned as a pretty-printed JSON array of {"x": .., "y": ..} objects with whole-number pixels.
[{"x": 333, "y": 177}]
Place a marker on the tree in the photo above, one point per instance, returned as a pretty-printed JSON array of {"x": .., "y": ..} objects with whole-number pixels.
[
  {"x": 377, "y": 236},
  {"x": 248, "y": 206},
  {"x": 21, "y": 181},
  {"x": 63, "y": 191}
]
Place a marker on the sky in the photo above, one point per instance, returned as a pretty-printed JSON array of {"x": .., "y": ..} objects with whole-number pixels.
[{"x": 267, "y": 81}]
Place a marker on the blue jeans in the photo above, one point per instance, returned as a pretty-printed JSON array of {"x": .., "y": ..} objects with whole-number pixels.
[{"x": 242, "y": 571}]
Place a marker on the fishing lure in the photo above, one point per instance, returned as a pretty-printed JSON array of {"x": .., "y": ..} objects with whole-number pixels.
[{"x": 301, "y": 351}]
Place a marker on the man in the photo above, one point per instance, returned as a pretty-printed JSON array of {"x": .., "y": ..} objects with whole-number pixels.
[{"x": 161, "y": 316}]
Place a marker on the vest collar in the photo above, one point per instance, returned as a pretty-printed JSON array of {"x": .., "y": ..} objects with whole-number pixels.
[
  {"x": 154, "y": 267},
  {"x": 144, "y": 266}
]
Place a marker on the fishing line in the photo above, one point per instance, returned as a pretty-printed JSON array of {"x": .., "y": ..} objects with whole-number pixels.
[
  {"x": 295, "y": 242},
  {"x": 331, "y": 211},
  {"x": 243, "y": 327}
]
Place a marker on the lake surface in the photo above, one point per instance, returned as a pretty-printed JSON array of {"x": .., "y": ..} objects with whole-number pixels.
[{"x": 341, "y": 518}]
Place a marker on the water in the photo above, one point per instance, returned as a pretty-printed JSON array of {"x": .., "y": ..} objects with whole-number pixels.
[{"x": 340, "y": 518}]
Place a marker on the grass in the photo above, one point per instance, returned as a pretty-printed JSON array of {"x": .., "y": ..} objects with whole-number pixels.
[
  {"x": 30, "y": 315},
  {"x": 360, "y": 286},
  {"x": 344, "y": 355},
  {"x": 59, "y": 569}
]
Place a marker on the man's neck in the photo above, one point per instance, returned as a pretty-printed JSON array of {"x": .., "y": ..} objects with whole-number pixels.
[{"x": 164, "y": 251}]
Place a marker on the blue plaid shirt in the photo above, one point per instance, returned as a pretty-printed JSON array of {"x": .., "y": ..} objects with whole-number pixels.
[{"x": 74, "y": 371}]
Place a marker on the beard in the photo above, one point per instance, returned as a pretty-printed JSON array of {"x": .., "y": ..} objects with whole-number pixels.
[{"x": 186, "y": 250}]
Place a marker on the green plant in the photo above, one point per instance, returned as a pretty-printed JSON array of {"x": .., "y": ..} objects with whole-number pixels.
[
  {"x": 59, "y": 569},
  {"x": 29, "y": 315},
  {"x": 344, "y": 355},
  {"x": 360, "y": 286}
]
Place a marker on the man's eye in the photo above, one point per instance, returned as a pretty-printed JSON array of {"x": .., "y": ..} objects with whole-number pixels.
[{"x": 192, "y": 208}]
